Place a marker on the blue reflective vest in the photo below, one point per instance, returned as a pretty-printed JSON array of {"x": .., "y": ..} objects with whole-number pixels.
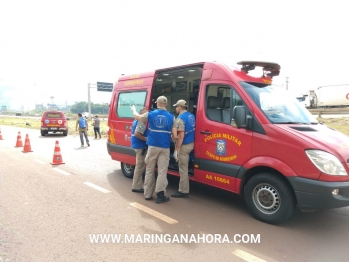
[
  {"x": 135, "y": 141},
  {"x": 189, "y": 127},
  {"x": 159, "y": 128}
]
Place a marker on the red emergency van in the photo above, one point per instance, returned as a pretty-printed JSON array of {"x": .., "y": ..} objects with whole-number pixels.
[{"x": 251, "y": 138}]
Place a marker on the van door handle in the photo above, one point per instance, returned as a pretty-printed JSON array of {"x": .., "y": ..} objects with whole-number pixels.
[{"x": 206, "y": 132}]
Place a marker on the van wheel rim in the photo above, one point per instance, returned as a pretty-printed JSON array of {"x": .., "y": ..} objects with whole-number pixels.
[
  {"x": 266, "y": 198},
  {"x": 128, "y": 168}
]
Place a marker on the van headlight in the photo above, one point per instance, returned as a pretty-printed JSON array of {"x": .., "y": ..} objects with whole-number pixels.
[{"x": 326, "y": 162}]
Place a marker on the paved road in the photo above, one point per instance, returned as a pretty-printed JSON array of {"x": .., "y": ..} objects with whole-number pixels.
[{"x": 47, "y": 213}]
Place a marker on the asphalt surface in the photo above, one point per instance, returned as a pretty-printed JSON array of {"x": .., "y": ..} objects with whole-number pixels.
[{"x": 47, "y": 213}]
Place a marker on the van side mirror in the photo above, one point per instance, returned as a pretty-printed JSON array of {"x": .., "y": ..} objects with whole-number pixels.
[{"x": 239, "y": 117}]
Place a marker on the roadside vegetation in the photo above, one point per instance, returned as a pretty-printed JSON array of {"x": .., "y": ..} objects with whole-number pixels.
[
  {"x": 340, "y": 124},
  {"x": 35, "y": 123}
]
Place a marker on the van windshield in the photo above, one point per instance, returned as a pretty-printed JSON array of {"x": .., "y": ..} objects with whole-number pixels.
[
  {"x": 53, "y": 115},
  {"x": 278, "y": 105}
]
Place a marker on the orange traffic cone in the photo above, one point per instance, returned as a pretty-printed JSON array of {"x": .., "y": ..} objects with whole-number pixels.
[
  {"x": 1, "y": 135},
  {"x": 27, "y": 148},
  {"x": 57, "y": 157},
  {"x": 19, "y": 140}
]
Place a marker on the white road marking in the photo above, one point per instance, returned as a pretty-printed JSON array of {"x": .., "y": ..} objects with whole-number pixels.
[
  {"x": 39, "y": 161},
  {"x": 61, "y": 171},
  {"x": 154, "y": 213},
  {"x": 247, "y": 256},
  {"x": 97, "y": 187}
]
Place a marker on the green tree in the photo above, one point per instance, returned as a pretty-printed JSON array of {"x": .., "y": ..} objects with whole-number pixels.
[{"x": 79, "y": 107}]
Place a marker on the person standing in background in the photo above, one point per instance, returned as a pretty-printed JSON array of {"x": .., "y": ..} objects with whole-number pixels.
[
  {"x": 96, "y": 125},
  {"x": 83, "y": 128}
]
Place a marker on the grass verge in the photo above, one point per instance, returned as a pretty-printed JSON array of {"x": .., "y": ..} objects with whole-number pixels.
[{"x": 35, "y": 123}]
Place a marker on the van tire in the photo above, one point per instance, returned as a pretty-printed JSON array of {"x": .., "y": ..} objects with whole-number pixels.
[
  {"x": 127, "y": 170},
  {"x": 65, "y": 133},
  {"x": 269, "y": 198},
  {"x": 43, "y": 133}
]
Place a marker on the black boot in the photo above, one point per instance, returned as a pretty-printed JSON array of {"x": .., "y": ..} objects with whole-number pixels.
[
  {"x": 161, "y": 197},
  {"x": 179, "y": 194}
]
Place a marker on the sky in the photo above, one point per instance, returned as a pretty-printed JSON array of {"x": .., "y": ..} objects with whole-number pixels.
[{"x": 56, "y": 48}]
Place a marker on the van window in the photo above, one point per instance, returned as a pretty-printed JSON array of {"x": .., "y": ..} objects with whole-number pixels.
[
  {"x": 126, "y": 99},
  {"x": 220, "y": 101}
]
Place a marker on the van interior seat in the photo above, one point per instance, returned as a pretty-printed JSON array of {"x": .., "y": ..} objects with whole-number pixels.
[
  {"x": 213, "y": 109},
  {"x": 226, "y": 110}
]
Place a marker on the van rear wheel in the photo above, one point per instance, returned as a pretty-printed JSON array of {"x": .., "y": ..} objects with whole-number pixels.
[
  {"x": 127, "y": 170},
  {"x": 269, "y": 198}
]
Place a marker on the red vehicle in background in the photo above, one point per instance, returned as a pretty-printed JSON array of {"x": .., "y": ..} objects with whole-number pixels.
[
  {"x": 251, "y": 138},
  {"x": 54, "y": 121}
]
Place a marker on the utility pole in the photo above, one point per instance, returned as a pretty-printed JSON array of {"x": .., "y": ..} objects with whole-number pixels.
[
  {"x": 101, "y": 86},
  {"x": 286, "y": 82},
  {"x": 89, "y": 98}
]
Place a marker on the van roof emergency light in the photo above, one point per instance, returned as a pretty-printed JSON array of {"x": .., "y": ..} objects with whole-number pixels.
[{"x": 269, "y": 69}]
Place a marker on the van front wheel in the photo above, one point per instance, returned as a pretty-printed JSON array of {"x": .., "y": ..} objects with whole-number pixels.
[
  {"x": 127, "y": 170},
  {"x": 269, "y": 198}
]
